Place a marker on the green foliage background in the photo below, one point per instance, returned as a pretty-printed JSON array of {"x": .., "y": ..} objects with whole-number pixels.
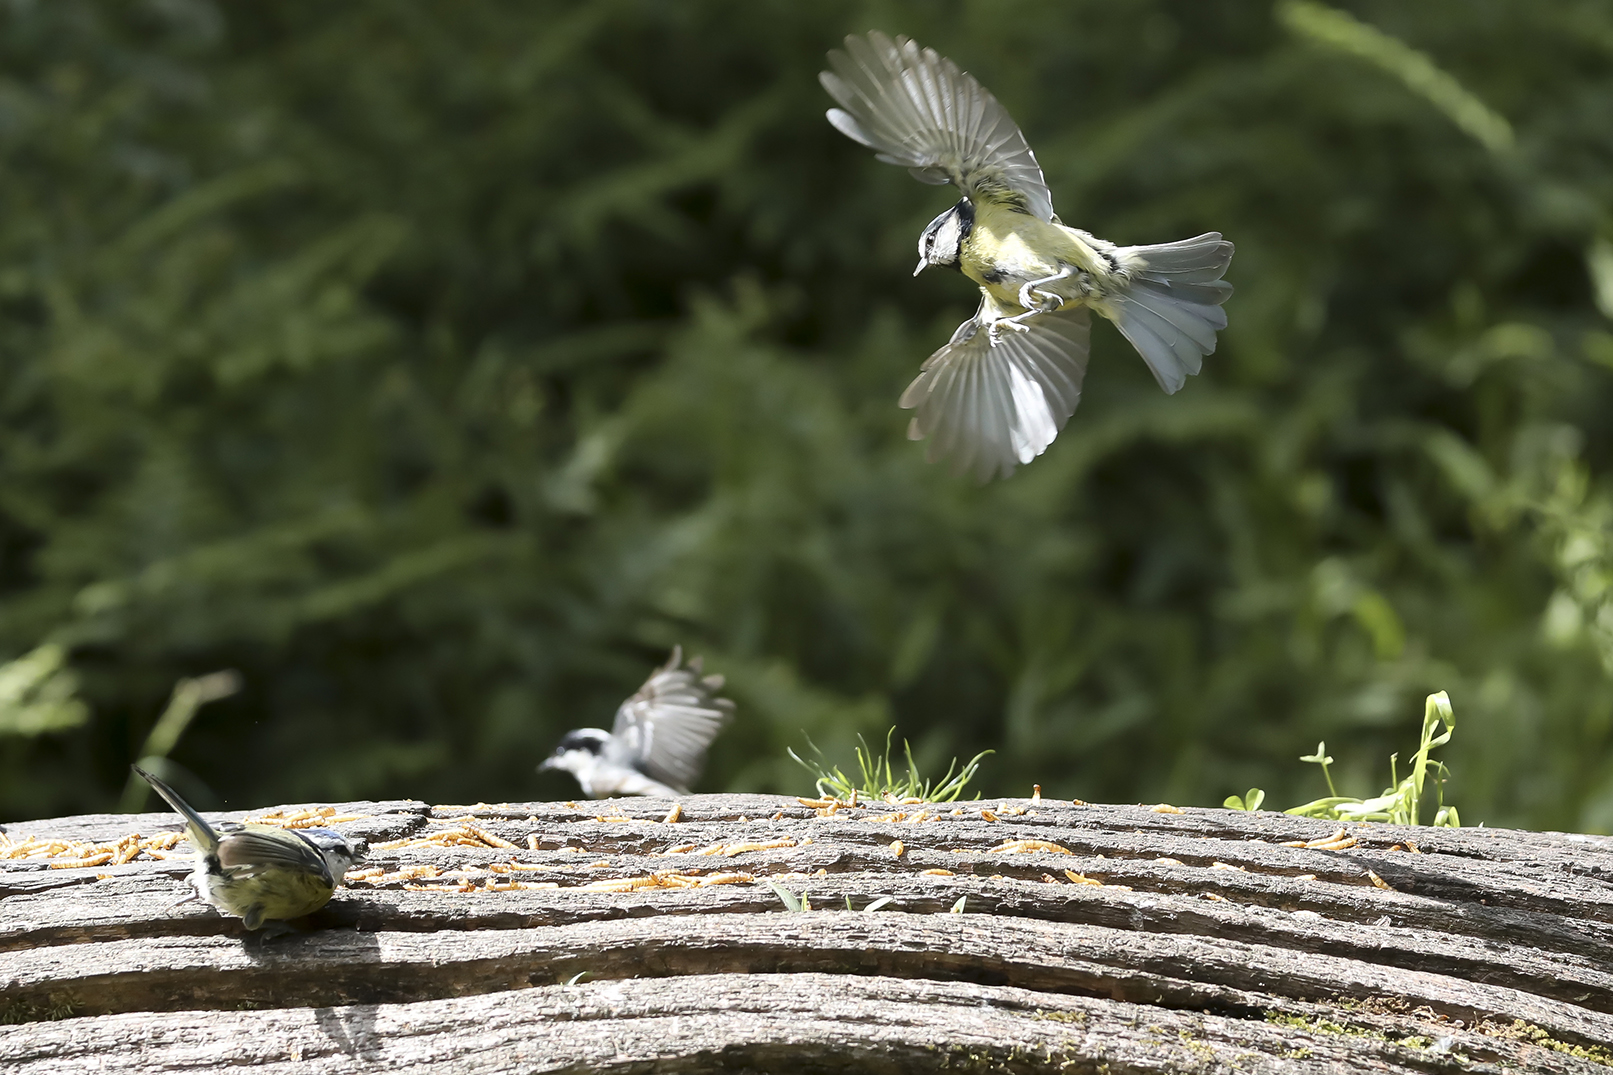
[{"x": 439, "y": 364}]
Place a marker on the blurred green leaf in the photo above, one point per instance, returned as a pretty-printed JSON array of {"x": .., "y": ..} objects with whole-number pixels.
[
  {"x": 1340, "y": 30},
  {"x": 38, "y": 694}
]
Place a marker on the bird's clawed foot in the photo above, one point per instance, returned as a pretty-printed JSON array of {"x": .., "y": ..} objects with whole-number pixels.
[
  {"x": 1014, "y": 324},
  {"x": 1033, "y": 298},
  {"x": 1038, "y": 301}
]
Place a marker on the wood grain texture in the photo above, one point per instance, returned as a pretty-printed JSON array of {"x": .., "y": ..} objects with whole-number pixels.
[
  {"x": 1203, "y": 945},
  {"x": 765, "y": 1022}
]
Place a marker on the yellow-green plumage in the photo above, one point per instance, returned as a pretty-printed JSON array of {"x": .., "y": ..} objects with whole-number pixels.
[
  {"x": 268, "y": 894},
  {"x": 1004, "y": 248}
]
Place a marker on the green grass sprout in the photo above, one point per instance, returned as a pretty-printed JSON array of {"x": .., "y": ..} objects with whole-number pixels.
[{"x": 877, "y": 779}]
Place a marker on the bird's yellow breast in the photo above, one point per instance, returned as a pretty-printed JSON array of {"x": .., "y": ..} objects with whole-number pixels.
[{"x": 1005, "y": 249}]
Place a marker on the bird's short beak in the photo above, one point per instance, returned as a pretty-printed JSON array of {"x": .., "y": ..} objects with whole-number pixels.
[
  {"x": 548, "y": 763},
  {"x": 923, "y": 264}
]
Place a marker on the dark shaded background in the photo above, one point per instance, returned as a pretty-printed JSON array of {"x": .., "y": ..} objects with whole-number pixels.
[{"x": 438, "y": 365}]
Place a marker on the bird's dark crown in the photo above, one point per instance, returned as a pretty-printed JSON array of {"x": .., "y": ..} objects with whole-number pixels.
[
  {"x": 589, "y": 740},
  {"x": 330, "y": 840}
]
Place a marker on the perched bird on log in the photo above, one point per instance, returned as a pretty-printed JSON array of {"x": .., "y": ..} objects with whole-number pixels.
[
  {"x": 658, "y": 744},
  {"x": 1001, "y": 389},
  {"x": 262, "y": 873}
]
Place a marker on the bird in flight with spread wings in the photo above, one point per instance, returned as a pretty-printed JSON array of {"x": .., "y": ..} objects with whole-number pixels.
[
  {"x": 1001, "y": 389},
  {"x": 658, "y": 744}
]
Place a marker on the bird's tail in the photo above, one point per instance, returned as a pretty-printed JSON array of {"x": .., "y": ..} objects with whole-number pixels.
[
  {"x": 201, "y": 833},
  {"x": 1170, "y": 309}
]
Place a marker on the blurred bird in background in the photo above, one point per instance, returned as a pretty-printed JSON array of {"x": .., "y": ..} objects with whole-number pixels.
[
  {"x": 262, "y": 873},
  {"x": 658, "y": 744},
  {"x": 1010, "y": 377}
]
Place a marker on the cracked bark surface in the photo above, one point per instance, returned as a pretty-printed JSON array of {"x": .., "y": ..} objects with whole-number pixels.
[{"x": 1198, "y": 943}]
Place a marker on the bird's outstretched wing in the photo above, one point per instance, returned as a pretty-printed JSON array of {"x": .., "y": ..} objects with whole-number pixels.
[
  {"x": 993, "y": 403},
  {"x": 915, "y": 108},
  {"x": 663, "y": 730}
]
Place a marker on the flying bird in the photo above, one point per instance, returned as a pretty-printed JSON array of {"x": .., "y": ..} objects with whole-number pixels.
[
  {"x": 1001, "y": 389},
  {"x": 262, "y": 873},
  {"x": 658, "y": 744}
]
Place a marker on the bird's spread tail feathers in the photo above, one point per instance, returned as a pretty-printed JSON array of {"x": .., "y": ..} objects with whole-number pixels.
[
  {"x": 201, "y": 833},
  {"x": 1171, "y": 308}
]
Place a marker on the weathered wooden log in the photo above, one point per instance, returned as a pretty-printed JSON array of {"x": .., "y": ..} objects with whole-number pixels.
[{"x": 603, "y": 937}]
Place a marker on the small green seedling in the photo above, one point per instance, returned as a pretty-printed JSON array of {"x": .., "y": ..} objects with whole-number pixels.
[
  {"x": 792, "y": 902},
  {"x": 1402, "y": 801},
  {"x": 1249, "y": 801}
]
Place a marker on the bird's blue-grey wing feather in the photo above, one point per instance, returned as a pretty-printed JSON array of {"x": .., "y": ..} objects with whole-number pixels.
[
  {"x": 989, "y": 405},
  {"x": 915, "y": 108},
  {"x": 249, "y": 850},
  {"x": 665, "y": 728}
]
